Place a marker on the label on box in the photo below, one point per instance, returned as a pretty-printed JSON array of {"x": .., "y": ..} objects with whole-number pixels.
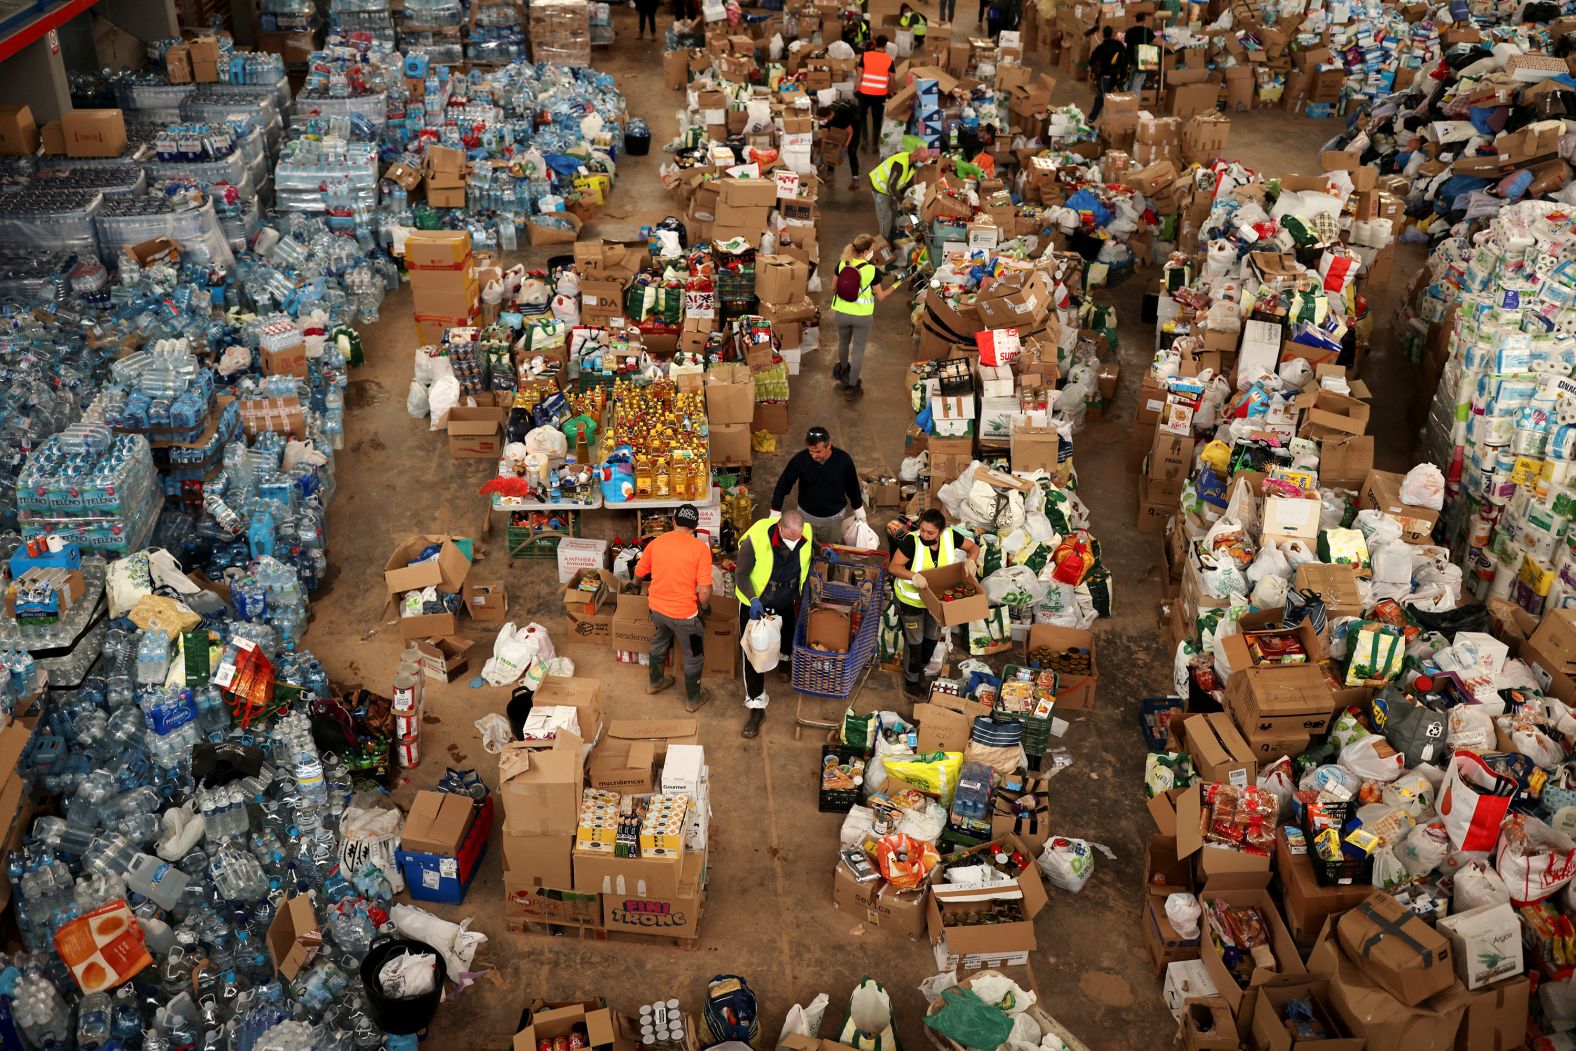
[{"x": 430, "y": 879}]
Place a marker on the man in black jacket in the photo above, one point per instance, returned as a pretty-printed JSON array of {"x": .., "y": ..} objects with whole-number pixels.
[
  {"x": 1107, "y": 64},
  {"x": 828, "y": 485},
  {"x": 1137, "y": 36}
]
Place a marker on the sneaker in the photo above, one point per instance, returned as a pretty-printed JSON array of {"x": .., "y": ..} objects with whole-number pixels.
[
  {"x": 839, "y": 370},
  {"x": 853, "y": 184},
  {"x": 855, "y": 392},
  {"x": 752, "y": 725},
  {"x": 658, "y": 685},
  {"x": 693, "y": 704}
]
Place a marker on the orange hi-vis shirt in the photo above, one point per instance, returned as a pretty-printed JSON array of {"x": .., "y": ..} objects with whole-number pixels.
[{"x": 679, "y": 565}]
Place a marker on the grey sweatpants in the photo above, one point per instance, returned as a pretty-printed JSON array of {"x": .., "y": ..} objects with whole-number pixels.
[
  {"x": 691, "y": 638},
  {"x": 886, "y": 212},
  {"x": 852, "y": 333}
]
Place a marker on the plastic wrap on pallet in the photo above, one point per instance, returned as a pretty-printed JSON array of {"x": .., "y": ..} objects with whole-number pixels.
[{"x": 50, "y": 219}]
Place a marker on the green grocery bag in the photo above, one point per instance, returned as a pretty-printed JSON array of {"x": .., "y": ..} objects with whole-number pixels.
[{"x": 970, "y": 1021}]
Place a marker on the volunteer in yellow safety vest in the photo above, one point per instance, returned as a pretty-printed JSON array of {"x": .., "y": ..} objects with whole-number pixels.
[
  {"x": 875, "y": 84},
  {"x": 773, "y": 562},
  {"x": 915, "y": 23},
  {"x": 928, "y": 546},
  {"x": 890, "y": 179}
]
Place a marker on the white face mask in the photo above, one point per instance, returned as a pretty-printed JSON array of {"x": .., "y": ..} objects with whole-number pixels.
[{"x": 792, "y": 545}]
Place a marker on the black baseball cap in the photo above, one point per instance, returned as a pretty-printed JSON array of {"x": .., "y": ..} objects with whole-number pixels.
[
  {"x": 686, "y": 516},
  {"x": 816, "y": 436}
]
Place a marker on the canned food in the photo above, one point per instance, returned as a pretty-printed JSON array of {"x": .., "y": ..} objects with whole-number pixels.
[{"x": 407, "y": 751}]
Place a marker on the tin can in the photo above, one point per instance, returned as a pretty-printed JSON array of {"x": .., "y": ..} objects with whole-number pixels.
[
  {"x": 407, "y": 725},
  {"x": 407, "y": 693},
  {"x": 407, "y": 751}
]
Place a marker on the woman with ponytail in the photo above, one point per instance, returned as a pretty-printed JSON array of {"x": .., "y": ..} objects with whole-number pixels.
[{"x": 854, "y": 298}]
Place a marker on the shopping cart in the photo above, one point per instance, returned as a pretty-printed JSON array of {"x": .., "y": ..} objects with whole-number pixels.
[{"x": 843, "y": 576}]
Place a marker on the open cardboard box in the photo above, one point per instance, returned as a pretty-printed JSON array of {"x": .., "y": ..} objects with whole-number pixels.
[
  {"x": 1074, "y": 693},
  {"x": 1176, "y": 816},
  {"x": 595, "y": 1024},
  {"x": 540, "y": 781},
  {"x": 956, "y": 611},
  {"x": 1218, "y": 749},
  {"x": 1382, "y": 491},
  {"x": 945, "y": 721},
  {"x": 1270, "y": 1035},
  {"x": 983, "y": 940},
  {"x": 444, "y": 658},
  {"x": 446, "y": 572},
  {"x": 1239, "y": 660},
  {"x": 294, "y": 937},
  {"x": 1247, "y": 889}
]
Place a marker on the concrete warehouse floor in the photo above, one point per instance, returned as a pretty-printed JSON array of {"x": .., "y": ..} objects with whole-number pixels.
[{"x": 769, "y": 915}]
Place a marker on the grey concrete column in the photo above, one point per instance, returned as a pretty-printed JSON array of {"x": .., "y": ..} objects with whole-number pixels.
[
  {"x": 148, "y": 19},
  {"x": 36, "y": 75}
]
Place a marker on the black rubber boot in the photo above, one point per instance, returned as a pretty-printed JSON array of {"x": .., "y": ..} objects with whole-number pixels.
[
  {"x": 659, "y": 681},
  {"x": 695, "y": 694}
]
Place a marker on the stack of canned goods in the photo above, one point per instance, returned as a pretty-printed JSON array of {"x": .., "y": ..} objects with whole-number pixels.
[
  {"x": 662, "y": 1026},
  {"x": 407, "y": 700}
]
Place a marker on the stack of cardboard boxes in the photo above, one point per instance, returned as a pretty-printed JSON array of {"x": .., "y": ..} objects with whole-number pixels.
[
  {"x": 781, "y": 284},
  {"x": 730, "y": 408},
  {"x": 443, "y": 170},
  {"x": 442, "y": 280},
  {"x": 442, "y": 843},
  {"x": 556, "y": 877}
]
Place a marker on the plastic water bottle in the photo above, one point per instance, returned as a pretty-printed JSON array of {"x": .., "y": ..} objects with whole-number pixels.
[{"x": 156, "y": 880}]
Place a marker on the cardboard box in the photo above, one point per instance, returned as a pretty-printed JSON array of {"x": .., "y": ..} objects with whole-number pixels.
[
  {"x": 1396, "y": 949},
  {"x": 1270, "y": 1035},
  {"x": 94, "y": 132},
  {"x": 1165, "y": 945},
  {"x": 487, "y": 601},
  {"x": 945, "y": 721},
  {"x": 540, "y": 785},
  {"x": 632, "y": 629},
  {"x": 18, "y": 131},
  {"x": 730, "y": 394},
  {"x": 537, "y": 861},
  {"x": 446, "y": 571},
  {"x": 1487, "y": 944},
  {"x": 1074, "y": 692},
  {"x": 1335, "y": 583},
  {"x": 720, "y": 640},
  {"x": 444, "y": 659},
  {"x": 595, "y": 1024},
  {"x": 476, "y": 433},
  {"x": 293, "y": 937},
  {"x": 437, "y": 823},
  {"x": 829, "y": 628},
  {"x": 674, "y": 915},
  {"x": 1496, "y": 1017},
  {"x": 624, "y": 766},
  {"x": 1247, "y": 889},
  {"x": 877, "y": 904},
  {"x": 957, "y": 611},
  {"x": 731, "y": 443},
  {"x": 780, "y": 279},
  {"x": 53, "y": 136},
  {"x": 1177, "y": 815},
  {"x": 428, "y": 626},
  {"x": 1382, "y": 491},
  {"x": 1218, "y": 750},
  {"x": 1035, "y": 449},
  {"x": 1208, "y": 1025},
  {"x": 1369, "y": 1012},
  {"x": 578, "y": 553},
  {"x": 631, "y": 877},
  {"x": 969, "y": 947},
  {"x": 560, "y": 907},
  {"x": 1307, "y": 903}
]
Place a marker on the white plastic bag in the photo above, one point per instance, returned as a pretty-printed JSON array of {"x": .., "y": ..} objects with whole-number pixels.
[
  {"x": 443, "y": 395},
  {"x": 1478, "y": 884},
  {"x": 1423, "y": 849},
  {"x": 1536, "y": 862},
  {"x": 1013, "y": 586},
  {"x": 762, "y": 641},
  {"x": 1068, "y": 863},
  {"x": 547, "y": 441},
  {"x": 1183, "y": 910},
  {"x": 805, "y": 1019},
  {"x": 514, "y": 651},
  {"x": 1424, "y": 486},
  {"x": 455, "y": 941},
  {"x": 1362, "y": 758},
  {"x": 858, "y": 534},
  {"x": 495, "y": 731}
]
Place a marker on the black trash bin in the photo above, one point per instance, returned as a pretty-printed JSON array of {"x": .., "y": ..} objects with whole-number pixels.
[
  {"x": 402, "y": 1017},
  {"x": 637, "y": 141}
]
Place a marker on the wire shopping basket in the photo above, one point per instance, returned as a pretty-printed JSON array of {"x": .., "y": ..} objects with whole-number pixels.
[{"x": 841, "y": 576}]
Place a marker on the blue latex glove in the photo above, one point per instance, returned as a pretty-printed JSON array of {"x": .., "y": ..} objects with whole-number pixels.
[{"x": 757, "y": 611}]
